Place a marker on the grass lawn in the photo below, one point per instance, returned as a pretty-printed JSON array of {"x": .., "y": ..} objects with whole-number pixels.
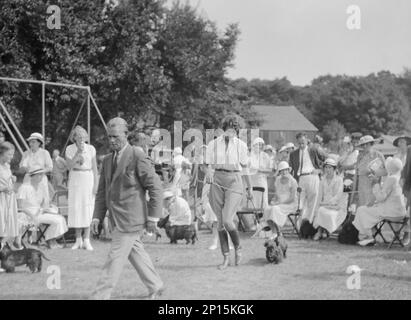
[{"x": 312, "y": 271}]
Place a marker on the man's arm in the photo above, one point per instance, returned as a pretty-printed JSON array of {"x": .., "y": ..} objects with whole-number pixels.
[
  {"x": 100, "y": 207},
  {"x": 151, "y": 182}
]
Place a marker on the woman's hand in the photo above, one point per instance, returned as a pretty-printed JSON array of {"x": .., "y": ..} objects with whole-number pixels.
[
  {"x": 209, "y": 178},
  {"x": 13, "y": 179}
]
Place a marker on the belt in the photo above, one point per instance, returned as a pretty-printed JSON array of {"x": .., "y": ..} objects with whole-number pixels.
[
  {"x": 78, "y": 169},
  {"x": 224, "y": 170},
  {"x": 306, "y": 174}
]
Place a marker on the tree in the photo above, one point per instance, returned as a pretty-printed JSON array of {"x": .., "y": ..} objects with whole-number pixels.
[{"x": 333, "y": 132}]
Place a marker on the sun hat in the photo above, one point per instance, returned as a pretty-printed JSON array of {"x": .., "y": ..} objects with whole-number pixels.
[
  {"x": 347, "y": 139},
  {"x": 178, "y": 150},
  {"x": 258, "y": 140},
  {"x": 168, "y": 194},
  {"x": 283, "y": 165},
  {"x": 405, "y": 137},
  {"x": 367, "y": 139},
  {"x": 282, "y": 149},
  {"x": 268, "y": 147},
  {"x": 330, "y": 162},
  {"x": 35, "y": 170},
  {"x": 36, "y": 136},
  {"x": 290, "y": 145}
]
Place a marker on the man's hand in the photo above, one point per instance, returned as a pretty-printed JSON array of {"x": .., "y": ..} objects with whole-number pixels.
[
  {"x": 209, "y": 176},
  {"x": 151, "y": 227},
  {"x": 94, "y": 226}
]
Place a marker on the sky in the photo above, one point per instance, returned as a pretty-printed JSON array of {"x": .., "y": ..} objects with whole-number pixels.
[{"x": 302, "y": 39}]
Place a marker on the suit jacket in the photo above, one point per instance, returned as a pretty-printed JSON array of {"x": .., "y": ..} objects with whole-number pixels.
[
  {"x": 406, "y": 173},
  {"x": 317, "y": 157},
  {"x": 125, "y": 195}
]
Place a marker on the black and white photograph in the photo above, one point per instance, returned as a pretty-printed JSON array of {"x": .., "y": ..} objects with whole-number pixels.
[{"x": 205, "y": 150}]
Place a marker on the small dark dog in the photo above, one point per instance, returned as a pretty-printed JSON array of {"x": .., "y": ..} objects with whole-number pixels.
[
  {"x": 307, "y": 231},
  {"x": 29, "y": 257},
  {"x": 174, "y": 233},
  {"x": 273, "y": 252},
  {"x": 276, "y": 249}
]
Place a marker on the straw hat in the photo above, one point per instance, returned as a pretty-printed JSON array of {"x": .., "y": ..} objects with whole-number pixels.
[
  {"x": 367, "y": 139},
  {"x": 290, "y": 145},
  {"x": 36, "y": 136},
  {"x": 35, "y": 170},
  {"x": 330, "y": 162},
  {"x": 405, "y": 137},
  {"x": 282, "y": 149},
  {"x": 258, "y": 140},
  {"x": 283, "y": 165},
  {"x": 268, "y": 147},
  {"x": 168, "y": 194},
  {"x": 178, "y": 150}
]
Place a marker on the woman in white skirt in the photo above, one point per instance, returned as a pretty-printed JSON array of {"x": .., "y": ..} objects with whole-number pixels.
[
  {"x": 284, "y": 201},
  {"x": 82, "y": 186},
  {"x": 333, "y": 202},
  {"x": 389, "y": 203},
  {"x": 259, "y": 168}
]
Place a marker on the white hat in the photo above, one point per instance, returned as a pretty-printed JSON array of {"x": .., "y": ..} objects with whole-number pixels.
[
  {"x": 36, "y": 169},
  {"x": 282, "y": 149},
  {"x": 268, "y": 147},
  {"x": 283, "y": 165},
  {"x": 290, "y": 145},
  {"x": 168, "y": 194},
  {"x": 330, "y": 162},
  {"x": 347, "y": 139},
  {"x": 36, "y": 136},
  {"x": 366, "y": 139},
  {"x": 258, "y": 140}
]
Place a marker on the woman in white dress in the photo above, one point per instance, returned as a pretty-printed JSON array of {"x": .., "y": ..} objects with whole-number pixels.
[
  {"x": 82, "y": 186},
  {"x": 34, "y": 208},
  {"x": 37, "y": 157},
  {"x": 259, "y": 168},
  {"x": 389, "y": 203},
  {"x": 333, "y": 202},
  {"x": 284, "y": 201},
  {"x": 9, "y": 227}
]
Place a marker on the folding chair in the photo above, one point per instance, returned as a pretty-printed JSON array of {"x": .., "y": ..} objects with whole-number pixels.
[
  {"x": 40, "y": 235},
  {"x": 256, "y": 212},
  {"x": 401, "y": 222},
  {"x": 294, "y": 216}
]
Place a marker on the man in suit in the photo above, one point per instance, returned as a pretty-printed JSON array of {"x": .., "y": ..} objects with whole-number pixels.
[
  {"x": 406, "y": 189},
  {"x": 127, "y": 173},
  {"x": 306, "y": 163}
]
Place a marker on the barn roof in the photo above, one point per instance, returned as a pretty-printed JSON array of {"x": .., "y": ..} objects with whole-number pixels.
[{"x": 283, "y": 118}]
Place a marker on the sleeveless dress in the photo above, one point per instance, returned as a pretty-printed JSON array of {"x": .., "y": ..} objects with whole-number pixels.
[
  {"x": 80, "y": 188},
  {"x": 278, "y": 213},
  {"x": 9, "y": 226}
]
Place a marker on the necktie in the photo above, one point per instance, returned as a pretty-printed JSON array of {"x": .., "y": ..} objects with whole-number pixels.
[
  {"x": 114, "y": 165},
  {"x": 301, "y": 161}
]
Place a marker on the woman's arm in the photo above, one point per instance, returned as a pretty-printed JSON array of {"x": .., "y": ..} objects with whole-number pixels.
[
  {"x": 293, "y": 192},
  {"x": 48, "y": 162},
  {"x": 95, "y": 172},
  {"x": 338, "y": 189},
  {"x": 71, "y": 160},
  {"x": 382, "y": 193}
]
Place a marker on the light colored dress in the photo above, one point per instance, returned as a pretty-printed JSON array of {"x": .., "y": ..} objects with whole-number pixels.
[
  {"x": 180, "y": 213},
  {"x": 389, "y": 203},
  {"x": 36, "y": 203},
  {"x": 9, "y": 226},
  {"x": 259, "y": 161},
  {"x": 80, "y": 188},
  {"x": 278, "y": 213},
  {"x": 330, "y": 217},
  {"x": 365, "y": 194},
  {"x": 39, "y": 159}
]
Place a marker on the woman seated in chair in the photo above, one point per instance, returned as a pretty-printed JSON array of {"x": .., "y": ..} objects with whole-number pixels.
[
  {"x": 333, "y": 202},
  {"x": 389, "y": 203},
  {"x": 35, "y": 209},
  {"x": 284, "y": 201}
]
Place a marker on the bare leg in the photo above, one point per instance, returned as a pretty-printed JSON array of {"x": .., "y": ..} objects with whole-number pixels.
[{"x": 79, "y": 241}]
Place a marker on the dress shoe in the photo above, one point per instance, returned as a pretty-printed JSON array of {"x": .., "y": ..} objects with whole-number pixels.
[
  {"x": 87, "y": 245},
  {"x": 225, "y": 263},
  {"x": 78, "y": 244},
  {"x": 155, "y": 294}
]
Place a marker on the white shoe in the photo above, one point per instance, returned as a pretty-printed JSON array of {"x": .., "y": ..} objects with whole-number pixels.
[
  {"x": 77, "y": 245},
  {"x": 87, "y": 245},
  {"x": 212, "y": 247},
  {"x": 366, "y": 242}
]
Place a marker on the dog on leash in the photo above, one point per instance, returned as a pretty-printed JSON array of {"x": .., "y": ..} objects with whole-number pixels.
[
  {"x": 276, "y": 249},
  {"x": 175, "y": 233},
  {"x": 32, "y": 258}
]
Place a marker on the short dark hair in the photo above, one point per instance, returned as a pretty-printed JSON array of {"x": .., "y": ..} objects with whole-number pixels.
[
  {"x": 301, "y": 135},
  {"x": 233, "y": 121},
  {"x": 6, "y": 146}
]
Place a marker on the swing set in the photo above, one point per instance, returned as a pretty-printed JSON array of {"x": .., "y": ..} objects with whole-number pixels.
[{"x": 22, "y": 145}]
